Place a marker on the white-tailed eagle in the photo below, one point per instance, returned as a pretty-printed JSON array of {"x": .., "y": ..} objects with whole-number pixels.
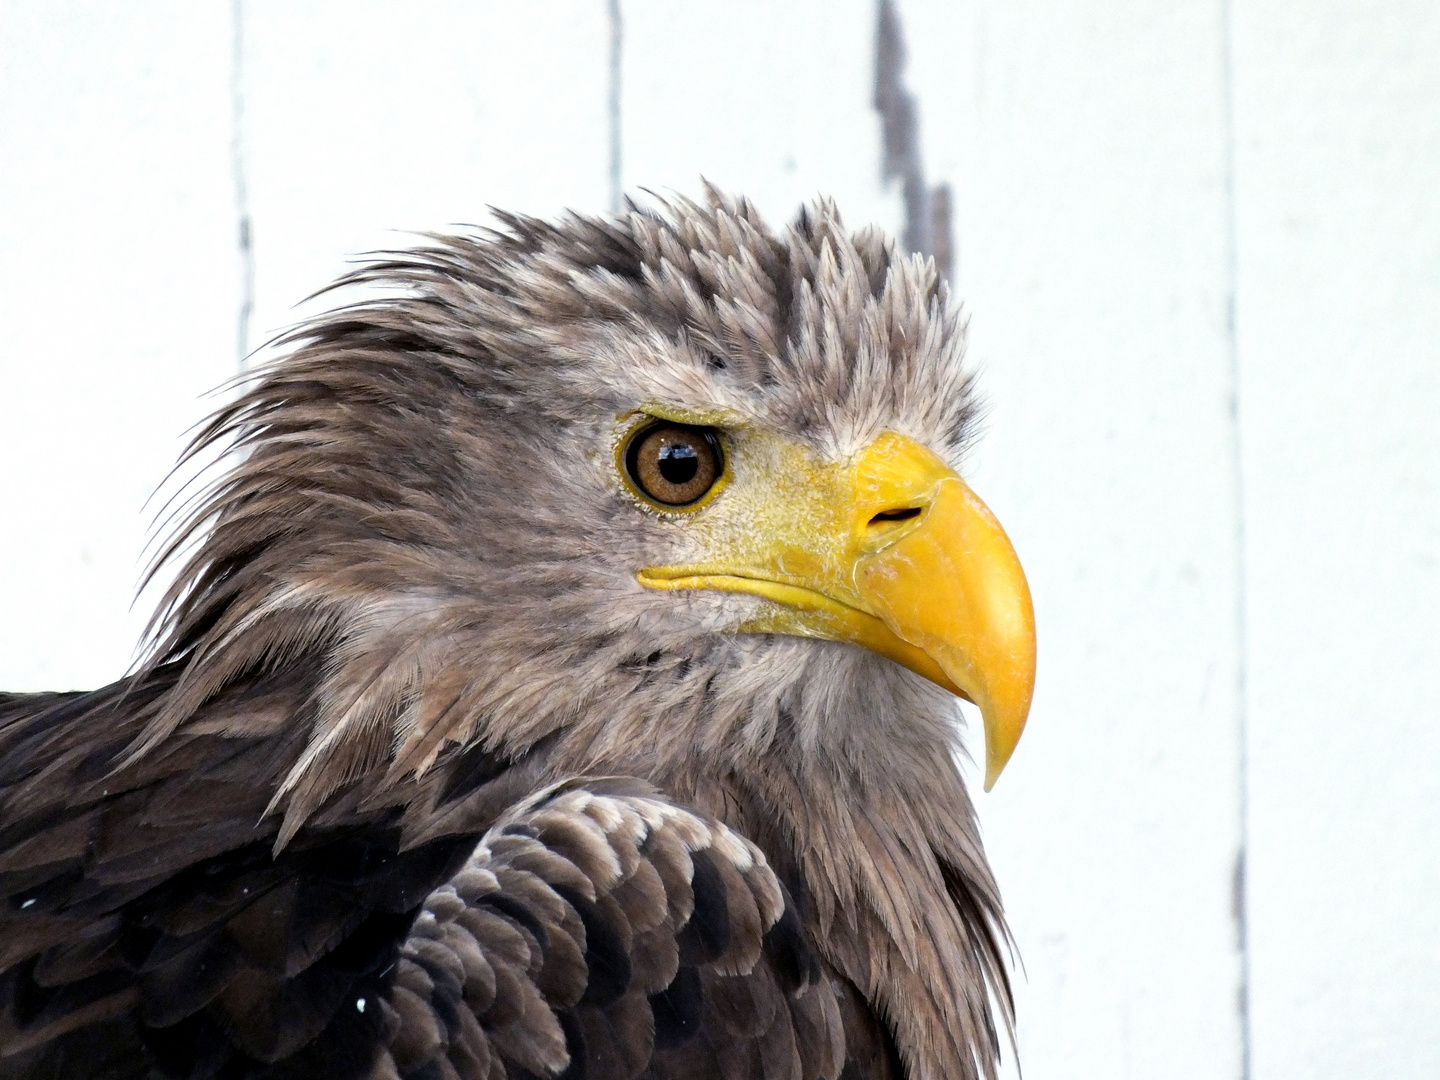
[{"x": 560, "y": 682}]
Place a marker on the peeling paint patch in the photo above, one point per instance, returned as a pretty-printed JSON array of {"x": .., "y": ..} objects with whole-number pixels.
[{"x": 927, "y": 210}]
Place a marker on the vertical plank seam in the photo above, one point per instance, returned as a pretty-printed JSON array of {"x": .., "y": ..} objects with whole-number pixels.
[
  {"x": 1240, "y": 901},
  {"x": 237, "y": 175},
  {"x": 617, "y": 43}
]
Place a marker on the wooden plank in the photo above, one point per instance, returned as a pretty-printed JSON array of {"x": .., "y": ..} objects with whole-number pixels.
[
  {"x": 366, "y": 118},
  {"x": 118, "y": 302},
  {"x": 1086, "y": 149},
  {"x": 769, "y": 100},
  {"x": 1338, "y": 137}
]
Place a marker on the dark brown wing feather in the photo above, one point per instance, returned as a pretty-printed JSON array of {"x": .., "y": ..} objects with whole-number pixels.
[
  {"x": 149, "y": 928},
  {"x": 602, "y": 932}
]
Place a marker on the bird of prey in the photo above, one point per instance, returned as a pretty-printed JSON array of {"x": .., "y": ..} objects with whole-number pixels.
[{"x": 558, "y": 681}]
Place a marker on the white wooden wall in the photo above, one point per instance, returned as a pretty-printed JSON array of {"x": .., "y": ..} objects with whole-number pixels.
[{"x": 1200, "y": 242}]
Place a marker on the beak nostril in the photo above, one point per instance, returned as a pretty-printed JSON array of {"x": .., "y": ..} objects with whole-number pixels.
[{"x": 905, "y": 513}]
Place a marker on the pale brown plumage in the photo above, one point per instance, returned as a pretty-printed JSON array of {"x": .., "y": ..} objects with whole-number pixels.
[{"x": 318, "y": 834}]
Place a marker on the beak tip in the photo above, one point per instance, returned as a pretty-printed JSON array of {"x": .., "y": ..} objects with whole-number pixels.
[
  {"x": 1002, "y": 736},
  {"x": 993, "y": 769}
]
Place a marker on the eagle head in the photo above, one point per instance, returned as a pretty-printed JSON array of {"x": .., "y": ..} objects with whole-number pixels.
[{"x": 671, "y": 480}]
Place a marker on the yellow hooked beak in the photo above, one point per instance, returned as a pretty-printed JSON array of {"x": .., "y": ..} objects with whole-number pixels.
[{"x": 891, "y": 551}]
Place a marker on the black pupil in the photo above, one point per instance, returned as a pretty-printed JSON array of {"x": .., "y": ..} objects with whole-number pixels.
[{"x": 679, "y": 463}]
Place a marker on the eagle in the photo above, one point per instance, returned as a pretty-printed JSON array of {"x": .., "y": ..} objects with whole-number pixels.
[{"x": 558, "y": 680}]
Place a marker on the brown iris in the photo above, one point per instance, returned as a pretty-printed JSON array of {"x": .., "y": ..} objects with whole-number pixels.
[{"x": 673, "y": 464}]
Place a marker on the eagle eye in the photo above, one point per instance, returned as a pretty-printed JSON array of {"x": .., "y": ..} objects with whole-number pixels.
[{"x": 673, "y": 464}]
